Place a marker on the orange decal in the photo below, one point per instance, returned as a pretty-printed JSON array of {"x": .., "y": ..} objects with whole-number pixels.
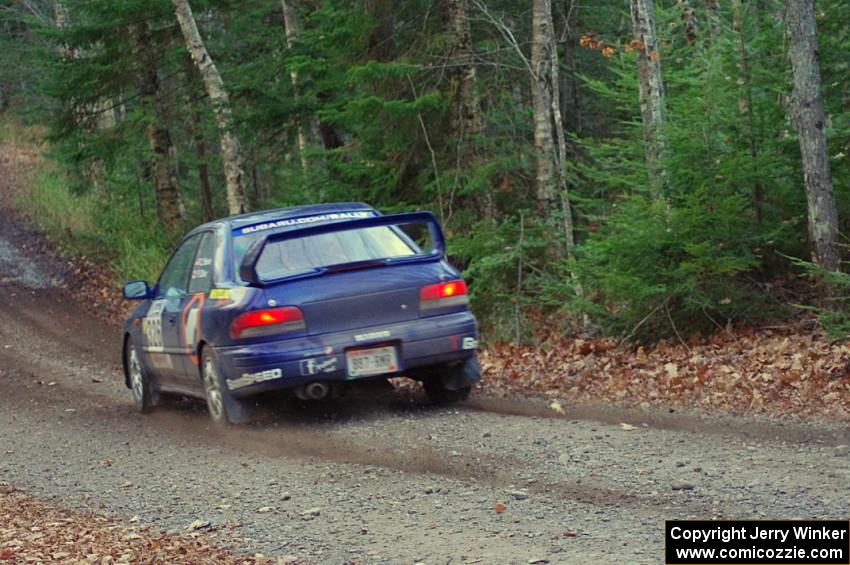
[{"x": 190, "y": 322}]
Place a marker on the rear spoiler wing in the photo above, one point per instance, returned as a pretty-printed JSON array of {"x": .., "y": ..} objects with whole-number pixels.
[{"x": 248, "y": 267}]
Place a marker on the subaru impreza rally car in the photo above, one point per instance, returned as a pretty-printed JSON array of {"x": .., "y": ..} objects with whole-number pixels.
[{"x": 308, "y": 299}]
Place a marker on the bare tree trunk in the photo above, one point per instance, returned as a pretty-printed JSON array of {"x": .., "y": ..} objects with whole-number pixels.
[
  {"x": 561, "y": 144},
  {"x": 651, "y": 88},
  {"x": 689, "y": 21},
  {"x": 292, "y": 28},
  {"x": 546, "y": 182},
  {"x": 329, "y": 135},
  {"x": 465, "y": 110},
  {"x": 208, "y": 209},
  {"x": 161, "y": 164},
  {"x": 62, "y": 19},
  {"x": 807, "y": 114},
  {"x": 712, "y": 14},
  {"x": 231, "y": 153},
  {"x": 570, "y": 100},
  {"x": 255, "y": 182},
  {"x": 382, "y": 39}
]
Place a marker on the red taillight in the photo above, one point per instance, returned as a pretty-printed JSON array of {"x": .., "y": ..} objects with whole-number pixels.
[
  {"x": 267, "y": 322},
  {"x": 443, "y": 294}
]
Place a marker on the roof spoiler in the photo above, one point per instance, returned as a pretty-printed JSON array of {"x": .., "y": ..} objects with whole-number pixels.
[{"x": 248, "y": 267}]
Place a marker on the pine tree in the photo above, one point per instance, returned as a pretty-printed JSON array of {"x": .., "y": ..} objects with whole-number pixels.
[{"x": 162, "y": 166}]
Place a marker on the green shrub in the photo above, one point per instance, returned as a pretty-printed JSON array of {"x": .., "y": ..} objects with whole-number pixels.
[
  {"x": 833, "y": 312},
  {"x": 656, "y": 269}
]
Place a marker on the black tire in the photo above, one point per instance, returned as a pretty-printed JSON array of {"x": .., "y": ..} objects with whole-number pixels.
[
  {"x": 223, "y": 407},
  {"x": 141, "y": 384},
  {"x": 439, "y": 394}
]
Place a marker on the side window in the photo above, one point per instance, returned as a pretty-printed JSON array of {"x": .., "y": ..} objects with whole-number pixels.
[
  {"x": 202, "y": 270},
  {"x": 174, "y": 280}
]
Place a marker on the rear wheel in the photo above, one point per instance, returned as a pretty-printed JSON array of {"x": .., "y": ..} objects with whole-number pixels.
[
  {"x": 437, "y": 391},
  {"x": 141, "y": 384},
  {"x": 439, "y": 394},
  {"x": 222, "y": 406},
  {"x": 453, "y": 382}
]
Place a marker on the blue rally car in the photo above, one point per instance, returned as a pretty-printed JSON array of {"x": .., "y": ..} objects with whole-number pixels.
[{"x": 309, "y": 299}]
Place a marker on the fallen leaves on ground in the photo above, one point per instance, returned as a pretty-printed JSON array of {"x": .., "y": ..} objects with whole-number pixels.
[
  {"x": 34, "y": 531},
  {"x": 790, "y": 370}
]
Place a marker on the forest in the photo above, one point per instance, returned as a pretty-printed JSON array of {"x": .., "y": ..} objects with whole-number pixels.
[{"x": 633, "y": 168}]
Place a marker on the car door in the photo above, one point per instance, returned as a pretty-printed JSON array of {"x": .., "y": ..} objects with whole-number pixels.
[
  {"x": 162, "y": 324},
  {"x": 201, "y": 281}
]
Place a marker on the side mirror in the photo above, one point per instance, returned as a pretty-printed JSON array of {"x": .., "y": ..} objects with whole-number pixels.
[{"x": 137, "y": 290}]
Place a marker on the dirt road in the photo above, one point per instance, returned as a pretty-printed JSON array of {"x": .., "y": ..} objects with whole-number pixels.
[{"x": 380, "y": 479}]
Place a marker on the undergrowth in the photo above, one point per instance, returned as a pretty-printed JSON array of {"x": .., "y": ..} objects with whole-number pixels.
[{"x": 101, "y": 226}]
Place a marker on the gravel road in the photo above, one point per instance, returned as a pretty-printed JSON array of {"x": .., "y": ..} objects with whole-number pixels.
[{"x": 382, "y": 478}]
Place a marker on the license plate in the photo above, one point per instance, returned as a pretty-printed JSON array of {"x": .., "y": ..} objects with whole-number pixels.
[{"x": 367, "y": 362}]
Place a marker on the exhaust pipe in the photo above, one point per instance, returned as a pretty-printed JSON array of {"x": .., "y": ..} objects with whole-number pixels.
[{"x": 316, "y": 391}]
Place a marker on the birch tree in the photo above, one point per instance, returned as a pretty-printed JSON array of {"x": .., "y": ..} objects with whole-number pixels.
[
  {"x": 549, "y": 142},
  {"x": 231, "y": 152},
  {"x": 807, "y": 114},
  {"x": 651, "y": 89}
]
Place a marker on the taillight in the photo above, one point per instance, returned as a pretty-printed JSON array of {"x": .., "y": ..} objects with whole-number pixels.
[
  {"x": 267, "y": 322},
  {"x": 443, "y": 294}
]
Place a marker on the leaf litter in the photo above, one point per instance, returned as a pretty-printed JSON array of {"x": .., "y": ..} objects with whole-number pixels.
[
  {"x": 793, "y": 370},
  {"x": 34, "y": 531}
]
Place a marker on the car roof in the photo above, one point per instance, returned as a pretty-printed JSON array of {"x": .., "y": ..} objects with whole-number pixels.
[{"x": 251, "y": 218}]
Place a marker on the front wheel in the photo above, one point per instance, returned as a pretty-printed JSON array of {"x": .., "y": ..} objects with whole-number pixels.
[
  {"x": 222, "y": 406},
  {"x": 141, "y": 385}
]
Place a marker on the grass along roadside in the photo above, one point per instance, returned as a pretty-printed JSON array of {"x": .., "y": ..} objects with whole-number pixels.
[
  {"x": 104, "y": 226},
  {"x": 113, "y": 235}
]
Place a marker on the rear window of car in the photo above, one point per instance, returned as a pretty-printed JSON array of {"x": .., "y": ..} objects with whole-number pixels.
[{"x": 304, "y": 254}]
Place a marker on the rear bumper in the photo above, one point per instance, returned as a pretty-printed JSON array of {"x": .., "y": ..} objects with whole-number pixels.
[{"x": 288, "y": 363}]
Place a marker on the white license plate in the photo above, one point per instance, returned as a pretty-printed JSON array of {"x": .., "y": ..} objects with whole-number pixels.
[{"x": 366, "y": 362}]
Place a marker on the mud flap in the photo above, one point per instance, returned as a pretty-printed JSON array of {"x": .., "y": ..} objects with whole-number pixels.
[
  {"x": 462, "y": 376},
  {"x": 238, "y": 410}
]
